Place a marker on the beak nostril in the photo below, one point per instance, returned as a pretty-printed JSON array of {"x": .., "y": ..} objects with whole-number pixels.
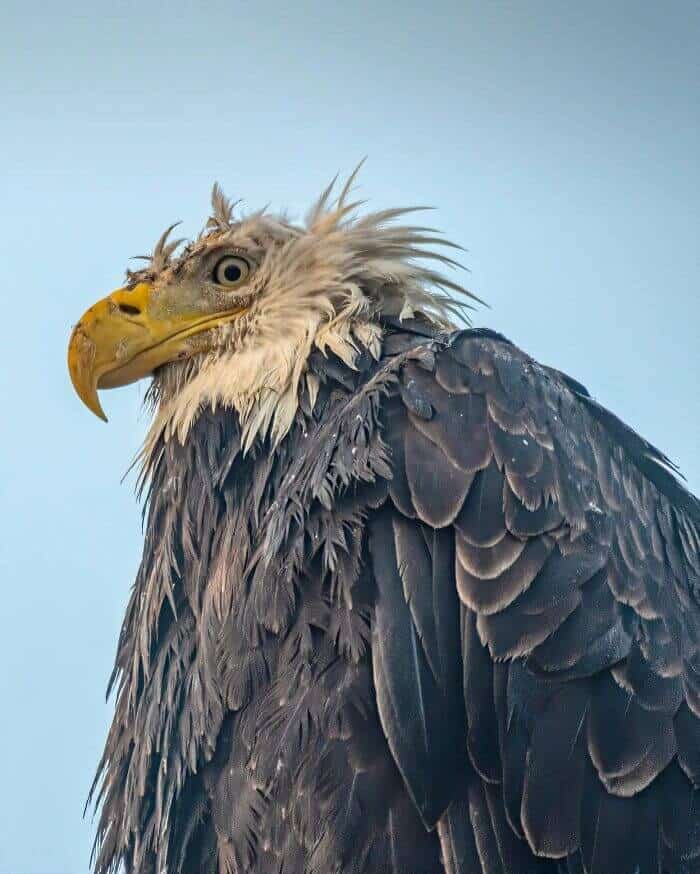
[{"x": 129, "y": 310}]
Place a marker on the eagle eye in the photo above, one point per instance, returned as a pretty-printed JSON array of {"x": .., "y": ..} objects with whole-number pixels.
[{"x": 230, "y": 271}]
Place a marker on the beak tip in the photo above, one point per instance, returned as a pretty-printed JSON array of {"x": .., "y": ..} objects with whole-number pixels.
[
  {"x": 81, "y": 367},
  {"x": 93, "y": 404}
]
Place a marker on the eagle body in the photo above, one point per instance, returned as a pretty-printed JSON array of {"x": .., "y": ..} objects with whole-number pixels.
[{"x": 440, "y": 615}]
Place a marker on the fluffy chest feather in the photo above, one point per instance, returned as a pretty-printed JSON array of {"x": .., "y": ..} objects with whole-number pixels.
[{"x": 245, "y": 651}]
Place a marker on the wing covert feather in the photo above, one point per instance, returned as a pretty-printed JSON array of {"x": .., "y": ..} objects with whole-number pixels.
[{"x": 420, "y": 708}]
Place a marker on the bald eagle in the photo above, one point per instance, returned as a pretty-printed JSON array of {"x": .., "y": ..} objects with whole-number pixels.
[{"x": 410, "y": 601}]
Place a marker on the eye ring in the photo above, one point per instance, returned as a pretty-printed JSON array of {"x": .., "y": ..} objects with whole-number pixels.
[{"x": 231, "y": 271}]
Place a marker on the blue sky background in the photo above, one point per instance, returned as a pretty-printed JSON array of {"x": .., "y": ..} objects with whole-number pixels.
[{"x": 559, "y": 141}]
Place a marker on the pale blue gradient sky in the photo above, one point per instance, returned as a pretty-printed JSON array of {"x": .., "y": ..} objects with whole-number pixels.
[{"x": 559, "y": 141}]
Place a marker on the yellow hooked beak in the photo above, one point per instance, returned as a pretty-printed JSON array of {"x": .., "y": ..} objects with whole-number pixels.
[{"x": 126, "y": 336}]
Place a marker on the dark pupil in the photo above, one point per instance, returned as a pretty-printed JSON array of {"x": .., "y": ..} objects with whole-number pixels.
[{"x": 232, "y": 273}]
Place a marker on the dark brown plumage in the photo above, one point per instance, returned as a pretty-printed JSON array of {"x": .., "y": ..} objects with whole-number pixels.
[
  {"x": 449, "y": 623},
  {"x": 409, "y": 603}
]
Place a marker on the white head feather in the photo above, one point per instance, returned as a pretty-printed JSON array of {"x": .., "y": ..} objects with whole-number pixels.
[{"x": 323, "y": 285}]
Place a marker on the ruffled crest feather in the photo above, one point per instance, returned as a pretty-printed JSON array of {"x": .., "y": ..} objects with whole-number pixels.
[{"x": 222, "y": 208}]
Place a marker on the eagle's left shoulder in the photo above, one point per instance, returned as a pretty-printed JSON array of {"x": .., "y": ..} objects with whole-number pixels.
[{"x": 541, "y": 556}]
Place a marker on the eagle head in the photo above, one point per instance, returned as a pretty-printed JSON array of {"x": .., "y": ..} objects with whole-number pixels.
[{"x": 230, "y": 318}]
